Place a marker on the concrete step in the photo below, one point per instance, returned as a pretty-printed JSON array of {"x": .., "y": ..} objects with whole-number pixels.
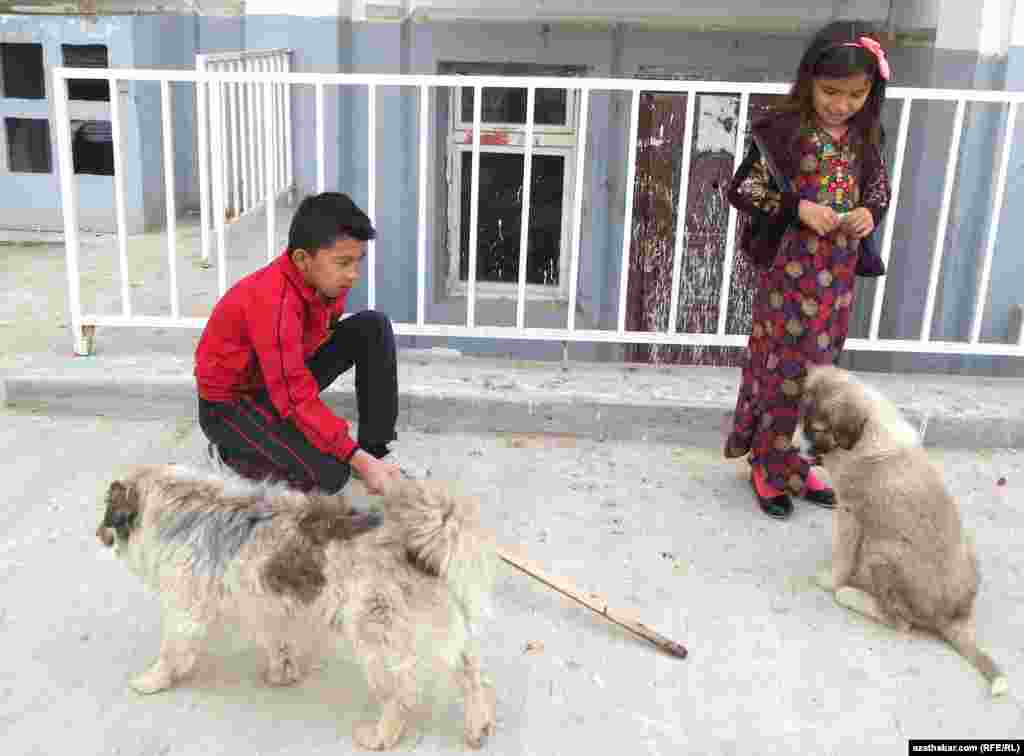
[{"x": 444, "y": 391}]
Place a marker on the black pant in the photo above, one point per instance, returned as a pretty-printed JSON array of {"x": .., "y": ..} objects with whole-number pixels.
[{"x": 256, "y": 442}]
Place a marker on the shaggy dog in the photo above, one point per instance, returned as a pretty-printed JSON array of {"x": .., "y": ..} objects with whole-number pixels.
[
  {"x": 899, "y": 554},
  {"x": 405, "y": 590}
]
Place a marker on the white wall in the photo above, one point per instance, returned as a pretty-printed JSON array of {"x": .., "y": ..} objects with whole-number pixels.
[
  {"x": 780, "y": 9},
  {"x": 919, "y": 14},
  {"x": 115, "y": 7},
  {"x": 310, "y": 8}
]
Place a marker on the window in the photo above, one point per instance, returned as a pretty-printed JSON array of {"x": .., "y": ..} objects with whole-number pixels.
[
  {"x": 500, "y": 217},
  {"x": 86, "y": 56},
  {"x": 92, "y": 147},
  {"x": 28, "y": 145},
  {"x": 502, "y": 162},
  {"x": 508, "y": 107},
  {"x": 23, "y": 73}
]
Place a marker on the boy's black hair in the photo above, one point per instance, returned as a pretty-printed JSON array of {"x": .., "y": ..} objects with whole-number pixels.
[
  {"x": 321, "y": 219},
  {"x": 829, "y": 55}
]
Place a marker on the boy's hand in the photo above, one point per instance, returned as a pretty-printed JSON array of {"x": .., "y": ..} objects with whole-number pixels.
[
  {"x": 376, "y": 473},
  {"x": 819, "y": 218},
  {"x": 859, "y": 223}
]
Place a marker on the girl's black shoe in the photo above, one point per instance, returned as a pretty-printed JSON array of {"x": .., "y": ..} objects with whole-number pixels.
[{"x": 824, "y": 498}]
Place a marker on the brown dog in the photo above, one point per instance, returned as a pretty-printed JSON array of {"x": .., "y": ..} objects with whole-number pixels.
[
  {"x": 405, "y": 591},
  {"x": 899, "y": 554}
]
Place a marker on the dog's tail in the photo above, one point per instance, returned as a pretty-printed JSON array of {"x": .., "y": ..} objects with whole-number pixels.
[
  {"x": 442, "y": 536},
  {"x": 961, "y": 636}
]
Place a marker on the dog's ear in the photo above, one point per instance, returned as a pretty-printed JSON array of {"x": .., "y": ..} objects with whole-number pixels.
[
  {"x": 815, "y": 377},
  {"x": 808, "y": 405},
  {"x": 122, "y": 508},
  {"x": 816, "y": 386}
]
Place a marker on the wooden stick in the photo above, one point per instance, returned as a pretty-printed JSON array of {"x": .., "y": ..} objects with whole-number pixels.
[{"x": 592, "y": 601}]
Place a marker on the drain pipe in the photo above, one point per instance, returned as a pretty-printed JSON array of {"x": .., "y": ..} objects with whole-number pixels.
[{"x": 890, "y": 22}]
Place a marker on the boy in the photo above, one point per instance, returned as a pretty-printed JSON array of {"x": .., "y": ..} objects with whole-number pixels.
[{"x": 275, "y": 341}]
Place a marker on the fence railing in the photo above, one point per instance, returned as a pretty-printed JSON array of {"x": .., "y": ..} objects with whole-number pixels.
[
  {"x": 253, "y": 123},
  {"x": 222, "y": 81}
]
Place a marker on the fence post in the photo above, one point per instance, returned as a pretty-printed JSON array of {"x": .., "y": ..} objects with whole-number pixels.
[
  {"x": 271, "y": 188},
  {"x": 203, "y": 132},
  {"x": 216, "y": 93},
  {"x": 117, "y": 137},
  {"x": 289, "y": 168},
  {"x": 82, "y": 335}
]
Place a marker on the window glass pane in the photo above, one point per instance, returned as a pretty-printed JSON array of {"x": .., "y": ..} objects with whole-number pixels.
[
  {"x": 501, "y": 207},
  {"x": 23, "y": 71},
  {"x": 86, "y": 56},
  {"x": 28, "y": 145},
  {"x": 505, "y": 105},
  {"x": 92, "y": 147}
]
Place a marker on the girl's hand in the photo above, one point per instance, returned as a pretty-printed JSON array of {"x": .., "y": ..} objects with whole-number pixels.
[
  {"x": 819, "y": 218},
  {"x": 859, "y": 223}
]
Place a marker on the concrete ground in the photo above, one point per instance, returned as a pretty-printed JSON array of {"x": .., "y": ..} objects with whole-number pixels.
[
  {"x": 668, "y": 532},
  {"x": 608, "y": 475},
  {"x": 34, "y": 313}
]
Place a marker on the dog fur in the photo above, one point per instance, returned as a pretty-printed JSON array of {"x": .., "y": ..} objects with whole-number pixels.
[
  {"x": 406, "y": 590},
  {"x": 899, "y": 553}
]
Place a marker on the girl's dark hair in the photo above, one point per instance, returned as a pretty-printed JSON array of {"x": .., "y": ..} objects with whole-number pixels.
[
  {"x": 321, "y": 219},
  {"x": 830, "y": 56}
]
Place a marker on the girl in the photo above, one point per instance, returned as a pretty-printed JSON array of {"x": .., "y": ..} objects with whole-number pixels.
[{"x": 813, "y": 185}]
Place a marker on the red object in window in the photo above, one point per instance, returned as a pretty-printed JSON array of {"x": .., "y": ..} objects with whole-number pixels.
[{"x": 491, "y": 137}]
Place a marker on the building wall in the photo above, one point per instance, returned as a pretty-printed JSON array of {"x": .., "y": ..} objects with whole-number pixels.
[
  {"x": 316, "y": 47},
  {"x": 332, "y": 43},
  {"x": 749, "y": 14},
  {"x": 133, "y": 41},
  {"x": 173, "y": 41},
  {"x": 32, "y": 200},
  {"x": 625, "y": 50},
  {"x": 165, "y": 42}
]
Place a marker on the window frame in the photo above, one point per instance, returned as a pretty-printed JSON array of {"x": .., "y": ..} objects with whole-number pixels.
[
  {"x": 6, "y": 148},
  {"x": 78, "y": 110},
  {"x": 45, "y": 79},
  {"x": 65, "y": 47},
  {"x": 75, "y": 125},
  {"x": 556, "y": 140},
  {"x": 569, "y": 127}
]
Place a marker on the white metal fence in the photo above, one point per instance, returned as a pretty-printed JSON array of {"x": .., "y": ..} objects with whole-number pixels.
[
  {"x": 253, "y": 123},
  {"x": 221, "y": 82}
]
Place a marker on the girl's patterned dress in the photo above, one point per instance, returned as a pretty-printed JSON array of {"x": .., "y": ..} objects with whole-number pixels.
[{"x": 801, "y": 310}]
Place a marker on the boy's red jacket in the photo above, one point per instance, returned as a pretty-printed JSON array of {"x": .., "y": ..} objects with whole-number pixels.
[{"x": 259, "y": 336}]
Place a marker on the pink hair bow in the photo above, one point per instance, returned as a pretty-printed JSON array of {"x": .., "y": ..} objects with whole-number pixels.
[{"x": 875, "y": 49}]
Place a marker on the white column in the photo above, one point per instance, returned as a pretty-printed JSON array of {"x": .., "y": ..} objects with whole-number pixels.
[
  {"x": 1017, "y": 27},
  {"x": 984, "y": 26}
]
